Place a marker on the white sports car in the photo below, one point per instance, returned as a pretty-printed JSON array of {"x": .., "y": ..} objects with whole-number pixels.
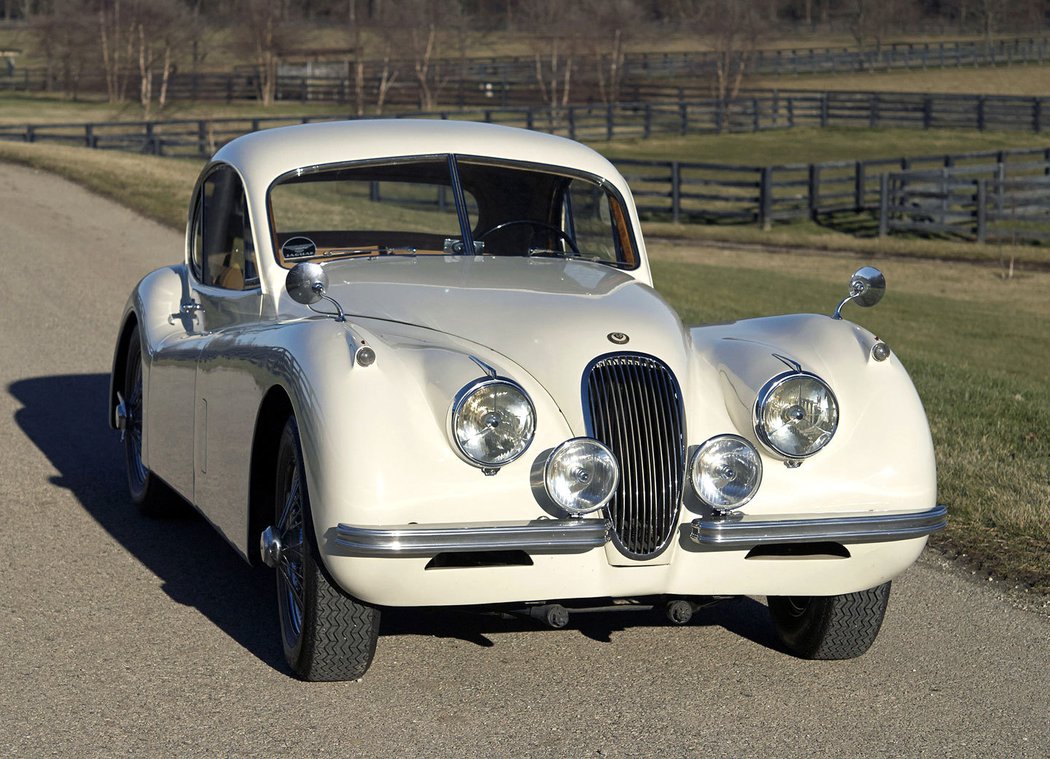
[{"x": 421, "y": 363}]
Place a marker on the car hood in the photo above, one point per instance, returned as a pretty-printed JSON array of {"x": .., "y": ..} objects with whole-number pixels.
[{"x": 550, "y": 317}]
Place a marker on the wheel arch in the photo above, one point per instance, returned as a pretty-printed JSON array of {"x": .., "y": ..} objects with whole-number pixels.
[
  {"x": 275, "y": 408},
  {"x": 120, "y": 361}
]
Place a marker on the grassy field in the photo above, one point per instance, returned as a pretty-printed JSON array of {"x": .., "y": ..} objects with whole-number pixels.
[
  {"x": 1025, "y": 79},
  {"x": 977, "y": 345},
  {"x": 812, "y": 145}
]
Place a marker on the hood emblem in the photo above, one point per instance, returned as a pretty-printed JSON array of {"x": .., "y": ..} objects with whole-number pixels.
[{"x": 619, "y": 338}]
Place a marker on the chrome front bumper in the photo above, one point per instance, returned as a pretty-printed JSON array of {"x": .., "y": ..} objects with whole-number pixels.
[
  {"x": 541, "y": 536},
  {"x": 578, "y": 535},
  {"x": 737, "y": 531}
]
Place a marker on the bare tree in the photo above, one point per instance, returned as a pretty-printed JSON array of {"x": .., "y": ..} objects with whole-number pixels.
[
  {"x": 269, "y": 27},
  {"x": 875, "y": 20},
  {"x": 162, "y": 27},
  {"x": 66, "y": 39},
  {"x": 734, "y": 30},
  {"x": 611, "y": 25},
  {"x": 425, "y": 26},
  {"x": 372, "y": 66},
  {"x": 556, "y": 25},
  {"x": 117, "y": 37}
]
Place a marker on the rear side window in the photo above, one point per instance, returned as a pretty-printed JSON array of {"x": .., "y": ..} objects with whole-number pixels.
[{"x": 223, "y": 252}]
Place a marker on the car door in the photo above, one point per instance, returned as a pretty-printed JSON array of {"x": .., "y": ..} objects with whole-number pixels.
[{"x": 226, "y": 383}]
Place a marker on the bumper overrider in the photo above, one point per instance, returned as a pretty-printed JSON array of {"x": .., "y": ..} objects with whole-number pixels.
[{"x": 578, "y": 535}]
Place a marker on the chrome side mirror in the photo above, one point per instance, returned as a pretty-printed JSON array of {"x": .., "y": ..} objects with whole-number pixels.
[
  {"x": 307, "y": 283},
  {"x": 866, "y": 288}
]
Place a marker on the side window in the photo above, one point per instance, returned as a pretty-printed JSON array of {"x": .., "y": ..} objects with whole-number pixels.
[
  {"x": 589, "y": 218},
  {"x": 222, "y": 243}
]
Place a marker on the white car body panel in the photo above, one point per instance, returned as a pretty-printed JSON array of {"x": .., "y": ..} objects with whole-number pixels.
[{"x": 375, "y": 438}]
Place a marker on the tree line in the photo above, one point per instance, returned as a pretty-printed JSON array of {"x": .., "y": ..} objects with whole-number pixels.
[{"x": 133, "y": 47}]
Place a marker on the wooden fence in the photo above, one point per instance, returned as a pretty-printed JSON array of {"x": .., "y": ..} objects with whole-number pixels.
[
  {"x": 752, "y": 112},
  {"x": 511, "y": 81},
  {"x": 989, "y": 195},
  {"x": 995, "y": 195}
]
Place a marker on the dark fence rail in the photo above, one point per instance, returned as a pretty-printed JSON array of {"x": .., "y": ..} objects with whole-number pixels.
[
  {"x": 996, "y": 195},
  {"x": 752, "y": 112},
  {"x": 511, "y": 81}
]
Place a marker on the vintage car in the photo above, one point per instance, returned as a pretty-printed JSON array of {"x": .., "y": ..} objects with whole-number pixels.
[{"x": 420, "y": 363}]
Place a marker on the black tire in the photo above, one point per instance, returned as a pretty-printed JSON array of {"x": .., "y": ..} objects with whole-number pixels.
[
  {"x": 830, "y": 627},
  {"x": 326, "y": 633},
  {"x": 152, "y": 496}
]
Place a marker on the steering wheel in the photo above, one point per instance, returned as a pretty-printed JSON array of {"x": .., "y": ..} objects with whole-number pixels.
[{"x": 535, "y": 224}]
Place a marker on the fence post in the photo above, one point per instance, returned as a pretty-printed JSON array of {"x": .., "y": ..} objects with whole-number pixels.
[
  {"x": 927, "y": 112},
  {"x": 859, "y": 182},
  {"x": 609, "y": 122},
  {"x": 980, "y": 112},
  {"x": 982, "y": 210},
  {"x": 776, "y": 103},
  {"x": 648, "y": 123},
  {"x": 823, "y": 109},
  {"x": 151, "y": 141},
  {"x": 791, "y": 112},
  {"x": 572, "y": 123},
  {"x": 873, "y": 110},
  {"x": 229, "y": 88},
  {"x": 765, "y": 198},
  {"x": 530, "y": 122},
  {"x": 683, "y": 118},
  {"x": 1037, "y": 115},
  {"x": 720, "y": 118},
  {"x": 202, "y": 137},
  {"x": 756, "y": 122},
  {"x": 30, "y": 135},
  {"x": 884, "y": 204},
  {"x": 89, "y": 135},
  {"x": 676, "y": 191},
  {"x": 813, "y": 194}
]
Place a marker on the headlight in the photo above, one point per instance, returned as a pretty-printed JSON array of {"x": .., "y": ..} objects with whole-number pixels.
[
  {"x": 727, "y": 471},
  {"x": 796, "y": 414},
  {"x": 493, "y": 422},
  {"x": 581, "y": 475}
]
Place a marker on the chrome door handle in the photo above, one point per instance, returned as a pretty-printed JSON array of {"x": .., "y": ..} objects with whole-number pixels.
[{"x": 189, "y": 309}]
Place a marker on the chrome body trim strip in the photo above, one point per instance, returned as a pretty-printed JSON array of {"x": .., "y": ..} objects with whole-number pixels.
[
  {"x": 742, "y": 531},
  {"x": 542, "y": 536}
]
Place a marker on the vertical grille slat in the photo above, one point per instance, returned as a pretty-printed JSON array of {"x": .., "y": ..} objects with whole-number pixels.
[{"x": 635, "y": 407}]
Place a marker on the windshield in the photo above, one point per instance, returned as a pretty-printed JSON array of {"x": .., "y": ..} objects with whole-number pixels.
[{"x": 434, "y": 206}]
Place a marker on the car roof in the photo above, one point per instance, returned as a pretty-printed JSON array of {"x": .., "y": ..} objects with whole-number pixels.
[{"x": 265, "y": 155}]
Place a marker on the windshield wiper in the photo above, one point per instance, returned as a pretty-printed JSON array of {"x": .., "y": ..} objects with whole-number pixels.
[{"x": 546, "y": 253}]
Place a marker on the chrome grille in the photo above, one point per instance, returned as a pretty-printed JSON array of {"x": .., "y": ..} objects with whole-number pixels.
[{"x": 635, "y": 408}]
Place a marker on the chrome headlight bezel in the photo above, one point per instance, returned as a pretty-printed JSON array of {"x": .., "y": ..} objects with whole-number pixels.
[
  {"x": 596, "y": 448},
  {"x": 762, "y": 402},
  {"x": 706, "y": 446},
  {"x": 465, "y": 394}
]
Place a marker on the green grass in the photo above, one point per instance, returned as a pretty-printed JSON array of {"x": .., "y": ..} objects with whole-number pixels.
[
  {"x": 976, "y": 343},
  {"x": 1026, "y": 80},
  {"x": 814, "y": 145}
]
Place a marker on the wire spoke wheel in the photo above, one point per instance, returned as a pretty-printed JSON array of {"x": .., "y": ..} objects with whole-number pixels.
[{"x": 326, "y": 633}]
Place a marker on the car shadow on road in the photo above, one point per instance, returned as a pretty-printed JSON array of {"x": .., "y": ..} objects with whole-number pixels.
[
  {"x": 64, "y": 417},
  {"x": 742, "y": 616}
]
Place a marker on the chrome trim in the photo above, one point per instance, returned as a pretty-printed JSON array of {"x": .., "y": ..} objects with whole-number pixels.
[
  {"x": 543, "y": 536},
  {"x": 696, "y": 459},
  {"x": 489, "y": 370},
  {"x": 632, "y": 403},
  {"x": 750, "y": 530},
  {"x": 763, "y": 398},
  {"x": 457, "y": 404}
]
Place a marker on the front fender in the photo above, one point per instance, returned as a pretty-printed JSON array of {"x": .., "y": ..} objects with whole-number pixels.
[{"x": 881, "y": 457}]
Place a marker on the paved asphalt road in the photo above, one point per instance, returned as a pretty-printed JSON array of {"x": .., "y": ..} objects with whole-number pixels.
[{"x": 125, "y": 635}]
